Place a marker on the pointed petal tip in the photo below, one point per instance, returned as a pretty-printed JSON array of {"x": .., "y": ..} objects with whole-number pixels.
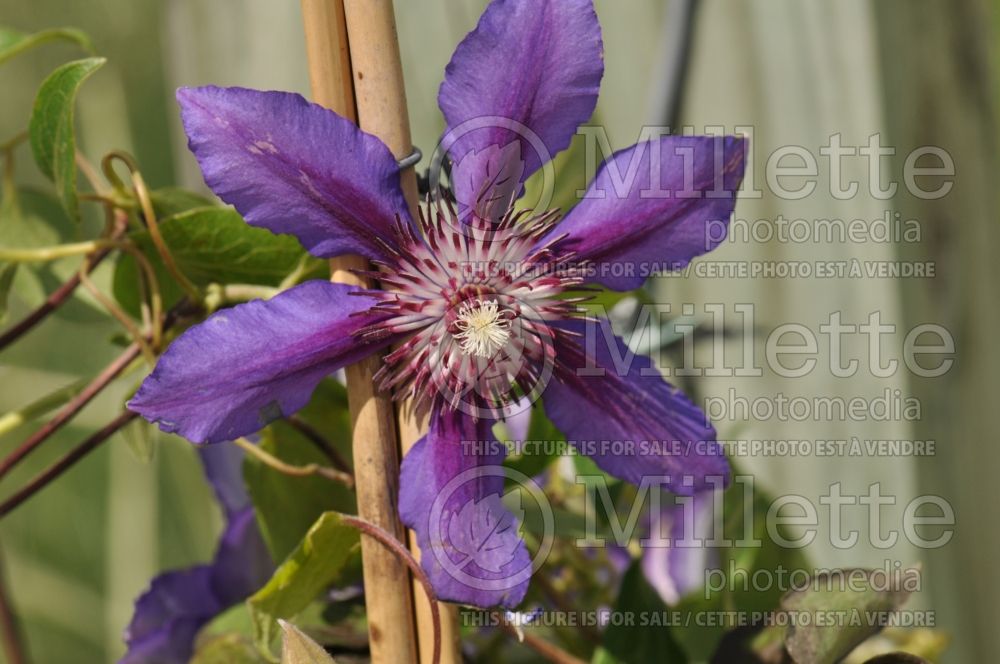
[
  {"x": 468, "y": 514},
  {"x": 268, "y": 154},
  {"x": 243, "y": 367},
  {"x": 664, "y": 434},
  {"x": 189, "y": 95},
  {"x": 625, "y": 234},
  {"x": 538, "y": 63}
]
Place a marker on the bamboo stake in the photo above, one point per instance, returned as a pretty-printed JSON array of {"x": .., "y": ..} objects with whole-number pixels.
[
  {"x": 381, "y": 102},
  {"x": 410, "y": 431},
  {"x": 388, "y": 597}
]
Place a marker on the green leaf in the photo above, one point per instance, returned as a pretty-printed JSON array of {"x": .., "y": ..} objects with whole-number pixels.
[
  {"x": 769, "y": 555},
  {"x": 29, "y": 218},
  {"x": 7, "y": 273},
  {"x": 287, "y": 506},
  {"x": 737, "y": 563},
  {"x": 319, "y": 561},
  {"x": 210, "y": 245},
  {"x": 215, "y": 245},
  {"x": 297, "y": 648},
  {"x": 33, "y": 218},
  {"x": 852, "y": 607},
  {"x": 235, "y": 620},
  {"x": 570, "y": 176},
  {"x": 169, "y": 201},
  {"x": 897, "y": 658},
  {"x": 14, "y": 42},
  {"x": 227, "y": 649},
  {"x": 602, "y": 656},
  {"x": 585, "y": 466},
  {"x": 52, "y": 133},
  {"x": 644, "y": 638},
  {"x": 565, "y": 524},
  {"x": 751, "y": 644},
  {"x": 535, "y": 459},
  {"x": 140, "y": 436}
]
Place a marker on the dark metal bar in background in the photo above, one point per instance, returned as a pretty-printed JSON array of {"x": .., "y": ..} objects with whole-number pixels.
[{"x": 679, "y": 23}]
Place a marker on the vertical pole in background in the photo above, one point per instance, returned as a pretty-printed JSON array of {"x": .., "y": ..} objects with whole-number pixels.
[
  {"x": 388, "y": 598},
  {"x": 11, "y": 639},
  {"x": 381, "y": 103}
]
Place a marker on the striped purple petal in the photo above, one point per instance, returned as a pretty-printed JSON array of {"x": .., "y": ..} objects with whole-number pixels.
[
  {"x": 256, "y": 362},
  {"x": 528, "y": 74},
  {"x": 291, "y": 166}
]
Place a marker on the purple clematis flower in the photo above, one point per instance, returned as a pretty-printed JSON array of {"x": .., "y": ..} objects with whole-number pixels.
[
  {"x": 177, "y": 604},
  {"x": 475, "y": 298}
]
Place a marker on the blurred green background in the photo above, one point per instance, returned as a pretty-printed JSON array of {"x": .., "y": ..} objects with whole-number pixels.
[{"x": 918, "y": 71}]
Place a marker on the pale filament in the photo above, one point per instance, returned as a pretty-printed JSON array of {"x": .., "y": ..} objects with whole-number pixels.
[{"x": 483, "y": 329}]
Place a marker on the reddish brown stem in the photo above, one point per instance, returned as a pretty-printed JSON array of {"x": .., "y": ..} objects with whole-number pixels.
[
  {"x": 53, "y": 302},
  {"x": 549, "y": 651},
  {"x": 400, "y": 550},
  {"x": 76, "y": 404},
  {"x": 45, "y": 477},
  {"x": 62, "y": 294},
  {"x": 69, "y": 411},
  {"x": 321, "y": 443}
]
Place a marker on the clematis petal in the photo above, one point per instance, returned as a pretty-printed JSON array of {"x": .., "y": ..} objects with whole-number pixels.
[
  {"x": 614, "y": 406},
  {"x": 488, "y": 180},
  {"x": 246, "y": 366},
  {"x": 242, "y": 563},
  {"x": 291, "y": 166},
  {"x": 168, "y": 616},
  {"x": 177, "y": 604},
  {"x": 450, "y": 494},
  {"x": 223, "y": 465},
  {"x": 659, "y": 203},
  {"x": 678, "y": 569},
  {"x": 529, "y": 64}
]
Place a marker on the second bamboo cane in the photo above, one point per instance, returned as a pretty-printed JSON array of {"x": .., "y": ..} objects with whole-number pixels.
[{"x": 376, "y": 457}]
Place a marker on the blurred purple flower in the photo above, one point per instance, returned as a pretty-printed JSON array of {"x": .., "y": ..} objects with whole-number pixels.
[
  {"x": 674, "y": 557},
  {"x": 679, "y": 569},
  {"x": 179, "y": 603},
  {"x": 518, "y": 423},
  {"x": 474, "y": 295}
]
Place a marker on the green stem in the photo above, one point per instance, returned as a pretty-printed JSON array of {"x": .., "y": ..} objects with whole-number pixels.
[
  {"x": 14, "y": 141},
  {"x": 16, "y": 418},
  {"x": 45, "y": 254},
  {"x": 217, "y": 295},
  {"x": 149, "y": 215},
  {"x": 90, "y": 173},
  {"x": 294, "y": 471},
  {"x": 296, "y": 275},
  {"x": 112, "y": 308}
]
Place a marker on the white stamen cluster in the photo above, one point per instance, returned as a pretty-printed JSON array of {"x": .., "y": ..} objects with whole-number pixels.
[
  {"x": 482, "y": 328},
  {"x": 479, "y": 299}
]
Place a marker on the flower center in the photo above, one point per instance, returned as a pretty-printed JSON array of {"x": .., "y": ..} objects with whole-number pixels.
[
  {"x": 476, "y": 301},
  {"x": 482, "y": 328}
]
